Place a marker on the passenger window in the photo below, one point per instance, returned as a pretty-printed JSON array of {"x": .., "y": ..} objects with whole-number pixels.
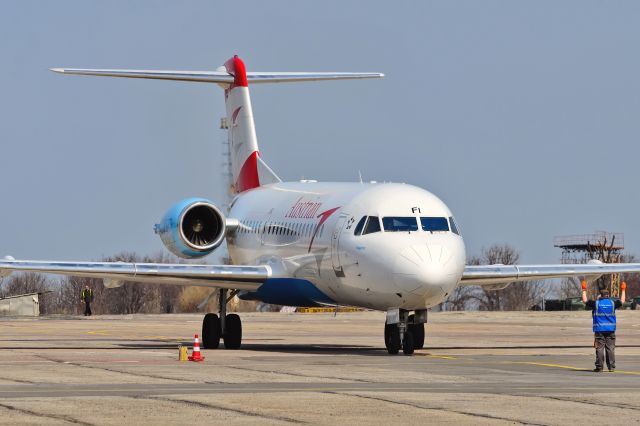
[
  {"x": 359, "y": 226},
  {"x": 399, "y": 224},
  {"x": 454, "y": 227},
  {"x": 434, "y": 224},
  {"x": 373, "y": 225}
]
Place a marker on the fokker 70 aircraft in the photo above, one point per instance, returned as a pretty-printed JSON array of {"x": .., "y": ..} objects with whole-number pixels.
[{"x": 385, "y": 246}]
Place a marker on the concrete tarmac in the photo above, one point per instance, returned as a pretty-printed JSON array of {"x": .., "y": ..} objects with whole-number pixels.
[{"x": 497, "y": 368}]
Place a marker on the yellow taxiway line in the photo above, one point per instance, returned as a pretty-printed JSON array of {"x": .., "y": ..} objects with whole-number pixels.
[{"x": 567, "y": 367}]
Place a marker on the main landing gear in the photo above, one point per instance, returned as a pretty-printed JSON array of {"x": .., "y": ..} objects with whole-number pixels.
[
  {"x": 404, "y": 331},
  {"x": 226, "y": 326}
]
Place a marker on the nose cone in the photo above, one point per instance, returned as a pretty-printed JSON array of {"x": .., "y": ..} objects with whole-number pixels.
[{"x": 427, "y": 270}]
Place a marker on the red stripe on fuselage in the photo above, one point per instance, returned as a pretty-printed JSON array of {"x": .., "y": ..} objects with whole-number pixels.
[
  {"x": 236, "y": 68},
  {"x": 248, "y": 177},
  {"x": 323, "y": 218}
]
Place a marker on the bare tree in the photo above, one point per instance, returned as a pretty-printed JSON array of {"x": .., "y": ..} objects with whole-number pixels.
[
  {"x": 460, "y": 299},
  {"x": 570, "y": 287},
  {"x": 606, "y": 252},
  {"x": 29, "y": 282},
  {"x": 129, "y": 298},
  {"x": 69, "y": 290},
  {"x": 168, "y": 295},
  {"x": 633, "y": 279},
  {"x": 516, "y": 296}
]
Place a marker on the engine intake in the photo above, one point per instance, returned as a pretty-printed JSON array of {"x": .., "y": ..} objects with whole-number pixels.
[{"x": 192, "y": 228}]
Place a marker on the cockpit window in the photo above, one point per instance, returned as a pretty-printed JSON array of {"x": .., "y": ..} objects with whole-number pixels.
[
  {"x": 373, "y": 225},
  {"x": 434, "y": 224},
  {"x": 359, "y": 226},
  {"x": 399, "y": 224},
  {"x": 454, "y": 227}
]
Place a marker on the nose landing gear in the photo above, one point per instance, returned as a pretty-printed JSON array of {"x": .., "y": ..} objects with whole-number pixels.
[
  {"x": 404, "y": 331},
  {"x": 226, "y": 326}
]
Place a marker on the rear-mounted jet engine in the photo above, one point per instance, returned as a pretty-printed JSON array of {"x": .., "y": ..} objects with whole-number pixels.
[{"x": 193, "y": 228}]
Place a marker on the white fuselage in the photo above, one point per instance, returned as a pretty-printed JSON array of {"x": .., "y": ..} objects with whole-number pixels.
[{"x": 307, "y": 230}]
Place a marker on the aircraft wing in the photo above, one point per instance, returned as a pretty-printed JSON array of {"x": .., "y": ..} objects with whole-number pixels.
[
  {"x": 495, "y": 275},
  {"x": 115, "y": 273}
]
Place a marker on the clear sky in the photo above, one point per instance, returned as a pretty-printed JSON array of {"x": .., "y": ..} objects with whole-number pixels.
[{"x": 522, "y": 116}]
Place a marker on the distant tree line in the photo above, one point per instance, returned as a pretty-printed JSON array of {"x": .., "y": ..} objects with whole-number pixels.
[
  {"x": 525, "y": 295},
  {"x": 61, "y": 295},
  {"x": 515, "y": 297}
]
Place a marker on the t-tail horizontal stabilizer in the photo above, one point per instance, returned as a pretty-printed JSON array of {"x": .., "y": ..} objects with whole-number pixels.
[
  {"x": 248, "y": 169},
  {"x": 221, "y": 77}
]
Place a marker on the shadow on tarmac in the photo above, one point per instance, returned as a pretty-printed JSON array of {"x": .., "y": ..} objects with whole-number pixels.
[{"x": 331, "y": 349}]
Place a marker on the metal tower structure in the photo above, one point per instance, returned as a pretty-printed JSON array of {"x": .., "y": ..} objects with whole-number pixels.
[{"x": 601, "y": 245}]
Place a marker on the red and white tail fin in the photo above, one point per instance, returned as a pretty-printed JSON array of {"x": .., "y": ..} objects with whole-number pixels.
[{"x": 249, "y": 171}]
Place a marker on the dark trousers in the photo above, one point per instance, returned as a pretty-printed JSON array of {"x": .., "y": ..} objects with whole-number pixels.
[
  {"x": 606, "y": 342},
  {"x": 87, "y": 309}
]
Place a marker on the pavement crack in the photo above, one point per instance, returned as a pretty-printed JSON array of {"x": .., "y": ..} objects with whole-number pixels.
[
  {"x": 448, "y": 410},
  {"x": 111, "y": 370},
  {"x": 67, "y": 419},
  {"x": 223, "y": 408},
  {"x": 298, "y": 374},
  {"x": 586, "y": 401},
  {"x": 29, "y": 382}
]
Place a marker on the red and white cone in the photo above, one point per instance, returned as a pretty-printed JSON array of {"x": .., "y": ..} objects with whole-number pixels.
[{"x": 195, "y": 355}]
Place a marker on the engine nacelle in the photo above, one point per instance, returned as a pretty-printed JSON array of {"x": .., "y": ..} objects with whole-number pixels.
[{"x": 192, "y": 228}]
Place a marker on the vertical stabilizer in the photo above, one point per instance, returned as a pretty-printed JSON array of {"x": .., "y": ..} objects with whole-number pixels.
[{"x": 248, "y": 170}]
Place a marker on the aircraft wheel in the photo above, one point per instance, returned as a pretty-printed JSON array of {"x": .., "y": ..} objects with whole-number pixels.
[
  {"x": 211, "y": 331},
  {"x": 418, "y": 333},
  {"x": 392, "y": 338},
  {"x": 407, "y": 344},
  {"x": 386, "y": 335},
  {"x": 232, "y": 332}
]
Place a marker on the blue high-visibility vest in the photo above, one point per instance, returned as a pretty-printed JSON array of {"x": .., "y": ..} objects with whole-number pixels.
[{"x": 604, "y": 316}]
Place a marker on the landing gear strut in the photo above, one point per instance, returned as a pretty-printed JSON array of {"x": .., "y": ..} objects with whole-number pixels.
[
  {"x": 404, "y": 331},
  {"x": 226, "y": 326}
]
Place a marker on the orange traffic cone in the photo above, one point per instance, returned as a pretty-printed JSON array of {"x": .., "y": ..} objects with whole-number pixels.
[{"x": 195, "y": 355}]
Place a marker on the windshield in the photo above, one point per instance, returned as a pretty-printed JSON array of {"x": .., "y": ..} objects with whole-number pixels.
[
  {"x": 360, "y": 225},
  {"x": 399, "y": 224},
  {"x": 373, "y": 225},
  {"x": 434, "y": 224},
  {"x": 454, "y": 227}
]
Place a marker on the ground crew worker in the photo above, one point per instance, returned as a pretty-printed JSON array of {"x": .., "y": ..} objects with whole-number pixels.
[
  {"x": 87, "y": 298},
  {"x": 603, "y": 311}
]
